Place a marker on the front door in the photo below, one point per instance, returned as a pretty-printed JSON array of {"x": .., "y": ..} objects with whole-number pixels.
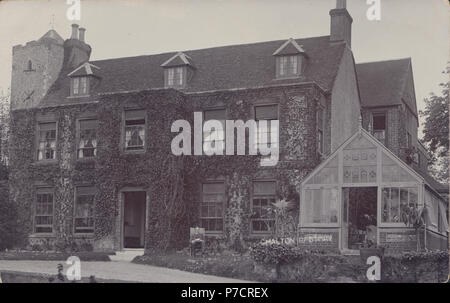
[{"x": 134, "y": 219}]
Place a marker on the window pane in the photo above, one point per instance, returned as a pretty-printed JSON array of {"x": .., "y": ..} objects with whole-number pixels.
[
  {"x": 379, "y": 122},
  {"x": 264, "y": 188},
  {"x": 266, "y": 112},
  {"x": 211, "y": 208}
]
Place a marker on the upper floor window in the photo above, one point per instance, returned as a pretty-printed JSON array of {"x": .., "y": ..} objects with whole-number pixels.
[
  {"x": 214, "y": 139},
  {"x": 262, "y": 219},
  {"x": 267, "y": 129},
  {"x": 80, "y": 86},
  {"x": 43, "y": 214},
  {"x": 46, "y": 141},
  {"x": 379, "y": 126},
  {"x": 135, "y": 130},
  {"x": 408, "y": 140},
  {"x": 211, "y": 209},
  {"x": 84, "y": 210},
  {"x": 288, "y": 66},
  {"x": 320, "y": 129},
  {"x": 175, "y": 76},
  {"x": 87, "y": 140}
]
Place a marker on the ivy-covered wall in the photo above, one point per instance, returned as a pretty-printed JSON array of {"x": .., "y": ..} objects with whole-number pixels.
[{"x": 172, "y": 183}]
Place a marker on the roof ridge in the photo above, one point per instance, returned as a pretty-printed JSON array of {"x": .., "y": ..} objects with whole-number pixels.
[
  {"x": 209, "y": 48},
  {"x": 382, "y": 61}
]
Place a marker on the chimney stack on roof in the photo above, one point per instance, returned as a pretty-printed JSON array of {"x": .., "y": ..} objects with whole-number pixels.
[
  {"x": 341, "y": 4},
  {"x": 76, "y": 51},
  {"x": 82, "y": 32},
  {"x": 74, "y": 32},
  {"x": 341, "y": 23}
]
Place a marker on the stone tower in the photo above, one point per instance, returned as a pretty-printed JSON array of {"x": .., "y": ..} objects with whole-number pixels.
[{"x": 35, "y": 67}]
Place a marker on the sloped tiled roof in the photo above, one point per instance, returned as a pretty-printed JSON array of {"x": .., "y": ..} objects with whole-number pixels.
[
  {"x": 218, "y": 68},
  {"x": 382, "y": 83}
]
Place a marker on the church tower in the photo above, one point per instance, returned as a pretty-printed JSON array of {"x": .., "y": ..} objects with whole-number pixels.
[{"x": 35, "y": 67}]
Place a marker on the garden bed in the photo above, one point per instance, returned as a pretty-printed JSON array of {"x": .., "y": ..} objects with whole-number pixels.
[
  {"x": 226, "y": 264},
  {"x": 284, "y": 263},
  {"x": 53, "y": 256}
]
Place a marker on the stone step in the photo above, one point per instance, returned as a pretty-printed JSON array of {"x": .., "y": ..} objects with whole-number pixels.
[{"x": 126, "y": 255}]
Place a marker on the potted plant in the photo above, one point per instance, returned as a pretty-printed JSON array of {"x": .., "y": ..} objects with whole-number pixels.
[
  {"x": 414, "y": 216},
  {"x": 369, "y": 246}
]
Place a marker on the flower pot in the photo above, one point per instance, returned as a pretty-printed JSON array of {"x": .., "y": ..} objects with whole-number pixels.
[{"x": 365, "y": 253}]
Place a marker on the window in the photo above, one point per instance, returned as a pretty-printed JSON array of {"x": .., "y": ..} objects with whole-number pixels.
[
  {"x": 84, "y": 210},
  {"x": 211, "y": 209},
  {"x": 379, "y": 127},
  {"x": 80, "y": 86},
  {"x": 320, "y": 127},
  {"x": 321, "y": 206},
  {"x": 288, "y": 66},
  {"x": 47, "y": 141},
  {"x": 266, "y": 132},
  {"x": 408, "y": 140},
  {"x": 29, "y": 66},
  {"x": 215, "y": 135},
  {"x": 395, "y": 200},
  {"x": 262, "y": 219},
  {"x": 175, "y": 76},
  {"x": 87, "y": 142},
  {"x": 134, "y": 130},
  {"x": 43, "y": 218}
]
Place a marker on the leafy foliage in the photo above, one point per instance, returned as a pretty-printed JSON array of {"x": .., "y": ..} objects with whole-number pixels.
[
  {"x": 436, "y": 129},
  {"x": 10, "y": 234},
  {"x": 275, "y": 253}
]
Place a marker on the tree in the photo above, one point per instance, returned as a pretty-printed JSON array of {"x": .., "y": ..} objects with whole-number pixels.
[{"x": 436, "y": 131}]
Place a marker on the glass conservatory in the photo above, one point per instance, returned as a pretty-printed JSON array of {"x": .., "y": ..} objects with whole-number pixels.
[{"x": 359, "y": 194}]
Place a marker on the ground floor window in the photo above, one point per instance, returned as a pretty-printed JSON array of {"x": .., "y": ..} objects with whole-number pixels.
[
  {"x": 211, "y": 209},
  {"x": 43, "y": 219},
  {"x": 263, "y": 219},
  {"x": 321, "y": 205},
  {"x": 84, "y": 210},
  {"x": 394, "y": 202}
]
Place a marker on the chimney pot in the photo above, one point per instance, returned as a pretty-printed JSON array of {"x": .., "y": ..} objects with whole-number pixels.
[
  {"x": 74, "y": 31},
  {"x": 82, "y": 32},
  {"x": 341, "y": 3}
]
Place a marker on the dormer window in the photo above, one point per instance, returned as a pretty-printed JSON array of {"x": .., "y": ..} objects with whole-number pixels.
[
  {"x": 80, "y": 86},
  {"x": 175, "y": 76},
  {"x": 178, "y": 70},
  {"x": 288, "y": 66},
  {"x": 81, "y": 79},
  {"x": 289, "y": 59}
]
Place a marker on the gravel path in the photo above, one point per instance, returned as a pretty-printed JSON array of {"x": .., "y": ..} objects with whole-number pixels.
[{"x": 117, "y": 270}]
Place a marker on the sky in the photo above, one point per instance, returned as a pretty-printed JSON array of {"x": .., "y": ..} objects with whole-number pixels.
[{"x": 118, "y": 28}]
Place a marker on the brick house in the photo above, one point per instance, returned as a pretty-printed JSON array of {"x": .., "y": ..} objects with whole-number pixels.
[{"x": 90, "y": 145}]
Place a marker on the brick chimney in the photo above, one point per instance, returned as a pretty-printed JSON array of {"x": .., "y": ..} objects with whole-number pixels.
[
  {"x": 76, "y": 51},
  {"x": 341, "y": 23}
]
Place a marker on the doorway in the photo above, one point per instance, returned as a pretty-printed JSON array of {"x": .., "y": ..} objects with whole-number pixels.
[
  {"x": 359, "y": 224},
  {"x": 134, "y": 209}
]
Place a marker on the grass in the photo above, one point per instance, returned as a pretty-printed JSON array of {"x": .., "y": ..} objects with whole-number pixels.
[
  {"x": 53, "y": 256},
  {"x": 227, "y": 264}
]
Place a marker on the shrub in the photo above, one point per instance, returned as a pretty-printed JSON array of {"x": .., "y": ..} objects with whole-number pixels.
[
  {"x": 430, "y": 266},
  {"x": 276, "y": 253},
  {"x": 10, "y": 231}
]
